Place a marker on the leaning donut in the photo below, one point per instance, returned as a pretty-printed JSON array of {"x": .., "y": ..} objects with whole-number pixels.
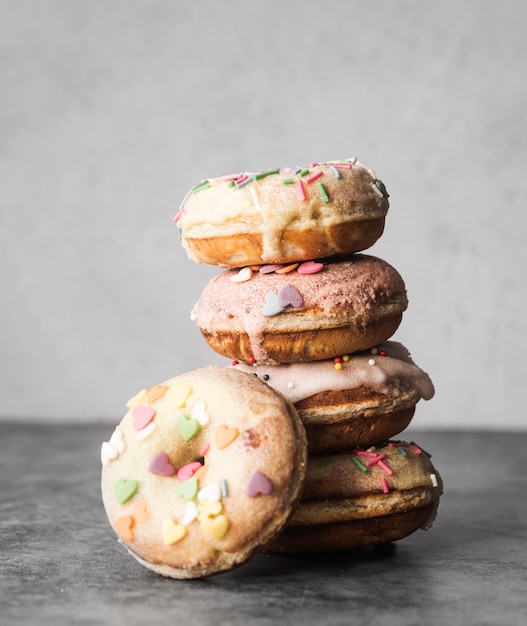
[
  {"x": 202, "y": 471},
  {"x": 283, "y": 215}
]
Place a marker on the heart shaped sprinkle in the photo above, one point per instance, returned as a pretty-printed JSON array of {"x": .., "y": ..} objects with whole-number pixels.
[
  {"x": 188, "y": 489},
  {"x": 172, "y": 532},
  {"x": 178, "y": 394},
  {"x": 190, "y": 514},
  {"x": 124, "y": 526},
  {"x": 209, "y": 509},
  {"x": 143, "y": 434},
  {"x": 188, "y": 470},
  {"x": 215, "y": 527},
  {"x": 289, "y": 296},
  {"x": 137, "y": 399},
  {"x": 244, "y": 274},
  {"x": 310, "y": 267},
  {"x": 287, "y": 268},
  {"x": 258, "y": 484},
  {"x": 200, "y": 473},
  {"x": 224, "y": 436},
  {"x": 142, "y": 415},
  {"x": 157, "y": 391},
  {"x": 108, "y": 453},
  {"x": 199, "y": 413},
  {"x": 269, "y": 269},
  {"x": 116, "y": 440},
  {"x": 210, "y": 492},
  {"x": 140, "y": 512},
  {"x": 124, "y": 489},
  {"x": 272, "y": 305},
  {"x": 187, "y": 427},
  {"x": 160, "y": 465}
]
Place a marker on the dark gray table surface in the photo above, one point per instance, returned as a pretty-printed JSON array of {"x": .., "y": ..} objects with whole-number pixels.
[{"x": 61, "y": 563}]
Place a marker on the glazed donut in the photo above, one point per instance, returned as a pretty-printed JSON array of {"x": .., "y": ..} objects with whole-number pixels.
[
  {"x": 350, "y": 401},
  {"x": 342, "y": 307},
  {"x": 202, "y": 471},
  {"x": 283, "y": 215},
  {"x": 363, "y": 498}
]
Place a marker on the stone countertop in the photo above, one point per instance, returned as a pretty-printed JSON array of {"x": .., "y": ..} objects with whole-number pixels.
[{"x": 61, "y": 563}]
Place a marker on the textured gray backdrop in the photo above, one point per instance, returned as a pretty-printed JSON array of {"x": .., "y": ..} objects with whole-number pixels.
[{"x": 112, "y": 109}]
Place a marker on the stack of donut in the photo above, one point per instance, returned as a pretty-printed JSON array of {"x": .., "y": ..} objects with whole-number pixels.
[{"x": 316, "y": 394}]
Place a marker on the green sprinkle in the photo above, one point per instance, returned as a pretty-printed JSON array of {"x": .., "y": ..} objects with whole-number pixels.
[
  {"x": 323, "y": 192},
  {"x": 203, "y": 185},
  {"x": 325, "y": 461},
  {"x": 360, "y": 465},
  {"x": 303, "y": 172},
  {"x": 231, "y": 183},
  {"x": 264, "y": 174},
  {"x": 288, "y": 181}
]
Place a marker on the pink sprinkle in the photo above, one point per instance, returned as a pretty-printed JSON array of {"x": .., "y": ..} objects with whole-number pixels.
[
  {"x": 383, "y": 466},
  {"x": 343, "y": 166},
  {"x": 417, "y": 449},
  {"x": 301, "y": 190},
  {"x": 310, "y": 267},
  {"x": 269, "y": 269},
  {"x": 377, "y": 459},
  {"x": 230, "y": 177},
  {"x": 241, "y": 179},
  {"x": 384, "y": 485},
  {"x": 366, "y": 453},
  {"x": 205, "y": 449},
  {"x": 314, "y": 176},
  {"x": 178, "y": 216}
]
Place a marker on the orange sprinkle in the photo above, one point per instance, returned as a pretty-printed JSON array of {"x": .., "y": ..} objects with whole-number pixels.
[
  {"x": 124, "y": 526},
  {"x": 200, "y": 474},
  {"x": 155, "y": 393},
  {"x": 287, "y": 268}
]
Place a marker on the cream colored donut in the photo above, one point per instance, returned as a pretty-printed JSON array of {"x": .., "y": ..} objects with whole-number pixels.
[
  {"x": 202, "y": 471},
  {"x": 283, "y": 215},
  {"x": 354, "y": 400},
  {"x": 363, "y": 498},
  {"x": 346, "y": 306}
]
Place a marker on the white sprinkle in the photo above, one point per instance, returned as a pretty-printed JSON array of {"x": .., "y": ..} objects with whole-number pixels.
[
  {"x": 334, "y": 171},
  {"x": 377, "y": 190},
  {"x": 240, "y": 277},
  {"x": 290, "y": 385},
  {"x": 371, "y": 362},
  {"x": 143, "y": 433},
  {"x": 223, "y": 487},
  {"x": 193, "y": 316},
  {"x": 433, "y": 478}
]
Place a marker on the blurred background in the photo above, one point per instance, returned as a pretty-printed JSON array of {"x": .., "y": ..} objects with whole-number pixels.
[{"x": 111, "y": 109}]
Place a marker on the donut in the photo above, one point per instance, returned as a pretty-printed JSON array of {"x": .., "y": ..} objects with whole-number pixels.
[
  {"x": 307, "y": 314},
  {"x": 353, "y": 400},
  {"x": 283, "y": 215},
  {"x": 202, "y": 471},
  {"x": 363, "y": 497}
]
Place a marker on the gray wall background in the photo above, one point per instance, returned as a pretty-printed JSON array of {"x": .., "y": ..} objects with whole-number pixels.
[{"x": 111, "y": 110}]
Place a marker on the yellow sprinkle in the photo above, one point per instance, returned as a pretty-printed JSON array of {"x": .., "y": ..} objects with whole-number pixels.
[
  {"x": 137, "y": 399},
  {"x": 178, "y": 394},
  {"x": 346, "y": 358},
  {"x": 338, "y": 366}
]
